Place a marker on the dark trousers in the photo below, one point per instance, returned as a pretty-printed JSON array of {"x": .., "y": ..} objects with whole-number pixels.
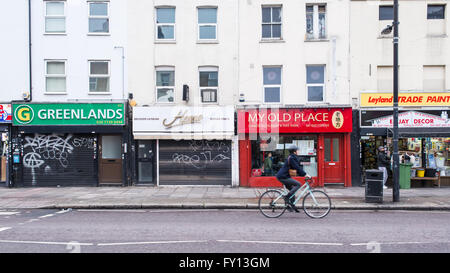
[{"x": 291, "y": 184}]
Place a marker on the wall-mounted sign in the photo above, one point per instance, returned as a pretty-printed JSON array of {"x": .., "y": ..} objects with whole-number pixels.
[
  {"x": 165, "y": 122},
  {"x": 295, "y": 120},
  {"x": 406, "y": 119},
  {"x": 404, "y": 99},
  {"x": 5, "y": 113},
  {"x": 69, "y": 114}
]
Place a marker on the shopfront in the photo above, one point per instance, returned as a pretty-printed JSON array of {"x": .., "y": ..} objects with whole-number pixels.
[
  {"x": 70, "y": 144},
  {"x": 424, "y": 133},
  {"x": 5, "y": 125},
  {"x": 321, "y": 134},
  {"x": 184, "y": 145}
]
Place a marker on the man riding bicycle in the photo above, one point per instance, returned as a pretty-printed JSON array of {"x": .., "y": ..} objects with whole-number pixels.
[{"x": 285, "y": 178}]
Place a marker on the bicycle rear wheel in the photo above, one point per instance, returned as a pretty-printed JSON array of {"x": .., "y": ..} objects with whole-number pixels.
[
  {"x": 271, "y": 204},
  {"x": 316, "y": 204}
]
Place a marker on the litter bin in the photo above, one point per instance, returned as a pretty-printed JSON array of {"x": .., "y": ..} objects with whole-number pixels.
[
  {"x": 374, "y": 186},
  {"x": 405, "y": 175}
]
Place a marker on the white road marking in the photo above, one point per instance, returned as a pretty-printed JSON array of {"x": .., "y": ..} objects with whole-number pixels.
[
  {"x": 109, "y": 210},
  {"x": 8, "y": 213},
  {"x": 400, "y": 243},
  {"x": 44, "y": 243},
  {"x": 45, "y": 216},
  {"x": 149, "y": 243},
  {"x": 279, "y": 242},
  {"x": 4, "y": 228}
]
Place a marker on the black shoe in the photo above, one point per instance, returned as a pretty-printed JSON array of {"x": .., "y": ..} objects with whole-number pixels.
[
  {"x": 288, "y": 208},
  {"x": 295, "y": 208}
]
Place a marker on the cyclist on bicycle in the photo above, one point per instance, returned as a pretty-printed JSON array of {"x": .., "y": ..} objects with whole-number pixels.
[{"x": 285, "y": 178}]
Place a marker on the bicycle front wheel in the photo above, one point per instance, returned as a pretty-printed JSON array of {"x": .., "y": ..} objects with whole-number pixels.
[
  {"x": 271, "y": 204},
  {"x": 316, "y": 204}
]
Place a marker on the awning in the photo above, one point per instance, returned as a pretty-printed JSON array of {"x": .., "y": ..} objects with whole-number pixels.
[{"x": 183, "y": 136}]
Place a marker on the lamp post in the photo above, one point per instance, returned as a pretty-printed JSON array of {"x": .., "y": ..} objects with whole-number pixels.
[{"x": 396, "y": 165}]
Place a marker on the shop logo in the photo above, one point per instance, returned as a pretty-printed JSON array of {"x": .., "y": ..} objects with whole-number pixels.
[
  {"x": 24, "y": 114},
  {"x": 338, "y": 120},
  {"x": 181, "y": 119}
]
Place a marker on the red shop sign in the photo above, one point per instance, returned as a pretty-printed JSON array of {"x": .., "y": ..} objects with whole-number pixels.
[{"x": 321, "y": 120}]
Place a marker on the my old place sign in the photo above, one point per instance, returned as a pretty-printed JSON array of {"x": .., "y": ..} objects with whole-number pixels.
[{"x": 69, "y": 114}]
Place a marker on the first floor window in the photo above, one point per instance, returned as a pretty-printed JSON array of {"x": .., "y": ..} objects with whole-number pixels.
[
  {"x": 55, "y": 19},
  {"x": 315, "y": 82},
  {"x": 436, "y": 12},
  {"x": 98, "y": 17},
  {"x": 272, "y": 84},
  {"x": 55, "y": 76},
  {"x": 99, "y": 76},
  {"x": 209, "y": 83},
  {"x": 165, "y": 84}
]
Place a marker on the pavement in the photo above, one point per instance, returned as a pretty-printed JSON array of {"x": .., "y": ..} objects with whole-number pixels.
[{"x": 205, "y": 197}]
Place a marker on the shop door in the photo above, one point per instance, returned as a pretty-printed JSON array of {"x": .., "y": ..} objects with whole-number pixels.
[
  {"x": 194, "y": 162},
  {"x": 110, "y": 163},
  {"x": 333, "y": 159},
  {"x": 146, "y": 162}
]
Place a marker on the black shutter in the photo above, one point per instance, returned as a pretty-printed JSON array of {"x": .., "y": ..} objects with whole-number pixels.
[
  {"x": 194, "y": 162},
  {"x": 59, "y": 159}
]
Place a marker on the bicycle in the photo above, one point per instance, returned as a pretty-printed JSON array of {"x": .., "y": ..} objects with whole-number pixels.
[{"x": 316, "y": 203}]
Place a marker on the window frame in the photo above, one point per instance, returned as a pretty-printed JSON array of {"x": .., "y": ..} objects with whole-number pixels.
[
  {"x": 166, "y": 68},
  {"x": 215, "y": 25},
  {"x": 99, "y": 17},
  {"x": 108, "y": 76},
  {"x": 47, "y": 75},
  {"x": 54, "y": 17},
  {"x": 208, "y": 88},
  {"x": 323, "y": 85},
  {"x": 165, "y": 24},
  {"x": 280, "y": 86},
  {"x": 272, "y": 23}
]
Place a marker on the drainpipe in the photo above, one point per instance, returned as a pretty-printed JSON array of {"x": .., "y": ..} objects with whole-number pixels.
[{"x": 29, "y": 51}]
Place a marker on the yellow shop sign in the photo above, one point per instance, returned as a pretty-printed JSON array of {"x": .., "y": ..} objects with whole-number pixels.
[{"x": 405, "y": 99}]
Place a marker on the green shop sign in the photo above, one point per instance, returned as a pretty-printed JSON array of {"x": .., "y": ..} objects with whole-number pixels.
[{"x": 69, "y": 114}]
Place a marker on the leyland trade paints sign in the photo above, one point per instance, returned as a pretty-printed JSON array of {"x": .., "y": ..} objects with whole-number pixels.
[
  {"x": 5, "y": 113},
  {"x": 69, "y": 114}
]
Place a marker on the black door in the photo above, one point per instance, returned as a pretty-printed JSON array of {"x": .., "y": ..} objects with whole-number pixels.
[
  {"x": 145, "y": 161},
  {"x": 194, "y": 162}
]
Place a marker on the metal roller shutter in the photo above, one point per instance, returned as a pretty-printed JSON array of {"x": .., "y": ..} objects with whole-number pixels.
[
  {"x": 194, "y": 162},
  {"x": 59, "y": 159}
]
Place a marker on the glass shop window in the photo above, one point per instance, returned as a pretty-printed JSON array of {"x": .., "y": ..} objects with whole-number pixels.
[{"x": 270, "y": 152}]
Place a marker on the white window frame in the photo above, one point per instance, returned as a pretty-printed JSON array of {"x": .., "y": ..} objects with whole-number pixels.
[
  {"x": 272, "y": 85},
  {"x": 54, "y": 17},
  {"x": 99, "y": 76},
  {"x": 323, "y": 85},
  {"x": 47, "y": 75},
  {"x": 99, "y": 17},
  {"x": 162, "y": 69},
  {"x": 165, "y": 24},
  {"x": 209, "y": 88},
  {"x": 271, "y": 22},
  {"x": 316, "y": 30},
  {"x": 199, "y": 25}
]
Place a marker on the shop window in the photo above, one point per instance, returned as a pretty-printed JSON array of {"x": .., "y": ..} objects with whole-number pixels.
[{"x": 269, "y": 154}]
